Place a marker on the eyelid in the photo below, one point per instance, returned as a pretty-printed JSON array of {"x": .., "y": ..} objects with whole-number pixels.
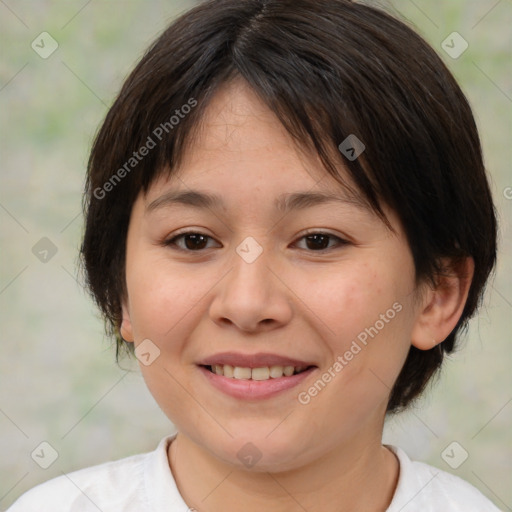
[
  {"x": 319, "y": 231},
  {"x": 169, "y": 241},
  {"x": 341, "y": 241}
]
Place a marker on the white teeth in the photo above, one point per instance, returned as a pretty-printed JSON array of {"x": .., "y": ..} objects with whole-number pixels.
[
  {"x": 262, "y": 373},
  {"x": 228, "y": 370},
  {"x": 288, "y": 370},
  {"x": 241, "y": 373},
  {"x": 276, "y": 372}
]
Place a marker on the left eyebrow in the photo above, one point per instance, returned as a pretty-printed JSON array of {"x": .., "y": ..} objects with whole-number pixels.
[{"x": 284, "y": 203}]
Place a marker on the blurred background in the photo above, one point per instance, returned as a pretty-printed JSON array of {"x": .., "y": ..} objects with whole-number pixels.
[{"x": 61, "y": 65}]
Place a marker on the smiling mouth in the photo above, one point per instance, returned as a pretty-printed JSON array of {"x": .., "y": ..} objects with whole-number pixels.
[{"x": 258, "y": 374}]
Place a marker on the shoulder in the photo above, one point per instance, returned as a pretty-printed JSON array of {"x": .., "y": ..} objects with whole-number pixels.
[
  {"x": 424, "y": 488},
  {"x": 113, "y": 486}
]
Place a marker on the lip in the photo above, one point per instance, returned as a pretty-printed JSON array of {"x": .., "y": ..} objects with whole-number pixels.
[
  {"x": 253, "y": 390},
  {"x": 252, "y": 360}
]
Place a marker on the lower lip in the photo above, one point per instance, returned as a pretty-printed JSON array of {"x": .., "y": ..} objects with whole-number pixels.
[{"x": 254, "y": 389}]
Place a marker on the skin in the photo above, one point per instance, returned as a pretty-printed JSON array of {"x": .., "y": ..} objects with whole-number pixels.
[{"x": 294, "y": 300}]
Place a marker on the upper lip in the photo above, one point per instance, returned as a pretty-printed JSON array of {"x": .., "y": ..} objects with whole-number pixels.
[{"x": 251, "y": 360}]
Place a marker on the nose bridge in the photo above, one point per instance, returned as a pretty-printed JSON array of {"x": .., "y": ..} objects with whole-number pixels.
[
  {"x": 250, "y": 277},
  {"x": 250, "y": 295}
]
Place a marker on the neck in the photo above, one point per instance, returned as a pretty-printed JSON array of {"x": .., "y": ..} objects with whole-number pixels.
[{"x": 358, "y": 475}]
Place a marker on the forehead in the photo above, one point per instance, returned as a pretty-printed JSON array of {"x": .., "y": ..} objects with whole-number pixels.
[
  {"x": 239, "y": 145},
  {"x": 238, "y": 126}
]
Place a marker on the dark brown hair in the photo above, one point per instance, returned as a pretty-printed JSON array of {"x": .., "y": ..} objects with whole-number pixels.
[{"x": 328, "y": 69}]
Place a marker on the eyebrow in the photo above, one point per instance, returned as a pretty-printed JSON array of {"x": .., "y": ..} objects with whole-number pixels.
[{"x": 284, "y": 203}]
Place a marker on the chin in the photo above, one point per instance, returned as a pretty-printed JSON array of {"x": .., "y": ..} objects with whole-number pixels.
[{"x": 260, "y": 452}]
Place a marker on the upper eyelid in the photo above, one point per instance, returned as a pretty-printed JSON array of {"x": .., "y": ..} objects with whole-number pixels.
[
  {"x": 168, "y": 240},
  {"x": 318, "y": 231}
]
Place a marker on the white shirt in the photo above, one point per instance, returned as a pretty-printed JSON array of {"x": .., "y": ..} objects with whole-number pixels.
[{"x": 145, "y": 483}]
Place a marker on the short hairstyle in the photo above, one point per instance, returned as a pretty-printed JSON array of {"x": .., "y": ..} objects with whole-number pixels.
[{"x": 328, "y": 69}]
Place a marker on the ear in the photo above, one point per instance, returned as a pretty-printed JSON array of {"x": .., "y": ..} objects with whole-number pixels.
[
  {"x": 126, "y": 324},
  {"x": 442, "y": 306}
]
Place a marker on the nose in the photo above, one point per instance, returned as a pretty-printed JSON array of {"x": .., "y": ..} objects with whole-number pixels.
[{"x": 252, "y": 297}]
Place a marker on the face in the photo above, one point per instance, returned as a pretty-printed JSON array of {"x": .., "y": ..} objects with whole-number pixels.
[{"x": 323, "y": 287}]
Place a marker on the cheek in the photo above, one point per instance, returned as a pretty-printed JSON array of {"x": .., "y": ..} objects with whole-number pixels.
[
  {"x": 164, "y": 304},
  {"x": 349, "y": 301},
  {"x": 367, "y": 319},
  {"x": 163, "y": 296}
]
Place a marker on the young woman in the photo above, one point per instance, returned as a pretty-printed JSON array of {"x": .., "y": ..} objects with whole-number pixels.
[{"x": 288, "y": 222}]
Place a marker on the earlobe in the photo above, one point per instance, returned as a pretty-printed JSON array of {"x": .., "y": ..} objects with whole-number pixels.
[
  {"x": 443, "y": 306},
  {"x": 126, "y": 325}
]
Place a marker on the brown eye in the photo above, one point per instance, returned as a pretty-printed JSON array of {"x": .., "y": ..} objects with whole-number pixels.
[
  {"x": 195, "y": 242},
  {"x": 192, "y": 241},
  {"x": 317, "y": 242}
]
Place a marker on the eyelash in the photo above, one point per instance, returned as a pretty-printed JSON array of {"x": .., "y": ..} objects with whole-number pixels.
[{"x": 171, "y": 241}]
